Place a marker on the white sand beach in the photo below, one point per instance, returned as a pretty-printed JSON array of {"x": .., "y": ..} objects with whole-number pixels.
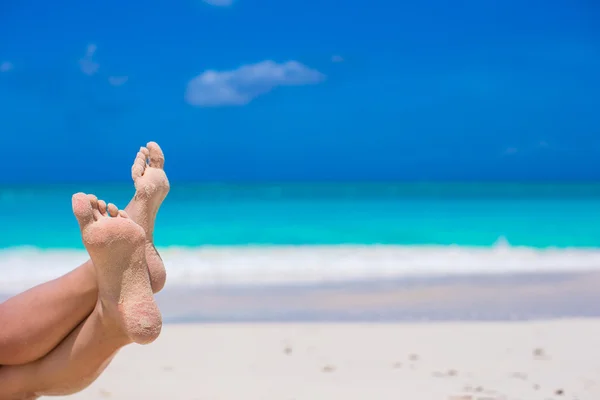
[{"x": 557, "y": 359}]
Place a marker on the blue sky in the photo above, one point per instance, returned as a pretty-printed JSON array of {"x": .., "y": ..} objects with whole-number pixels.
[{"x": 301, "y": 89}]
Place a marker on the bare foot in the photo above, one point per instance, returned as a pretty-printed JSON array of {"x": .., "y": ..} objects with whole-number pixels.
[
  {"x": 151, "y": 188},
  {"x": 117, "y": 247}
]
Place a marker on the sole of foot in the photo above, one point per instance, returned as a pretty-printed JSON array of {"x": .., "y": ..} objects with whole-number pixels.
[
  {"x": 117, "y": 247},
  {"x": 151, "y": 188}
]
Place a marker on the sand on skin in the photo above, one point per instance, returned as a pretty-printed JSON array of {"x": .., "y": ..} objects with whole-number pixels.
[{"x": 557, "y": 359}]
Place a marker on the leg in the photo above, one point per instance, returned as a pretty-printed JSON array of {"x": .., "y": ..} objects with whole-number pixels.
[
  {"x": 53, "y": 309},
  {"x": 125, "y": 311},
  {"x": 71, "y": 366},
  {"x": 60, "y": 305}
]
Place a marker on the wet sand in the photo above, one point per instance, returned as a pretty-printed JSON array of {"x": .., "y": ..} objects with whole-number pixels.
[
  {"x": 501, "y": 297},
  {"x": 542, "y": 360},
  {"x": 487, "y": 297}
]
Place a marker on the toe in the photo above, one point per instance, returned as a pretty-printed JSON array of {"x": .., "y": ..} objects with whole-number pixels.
[
  {"x": 102, "y": 207},
  {"x": 139, "y": 164},
  {"x": 113, "y": 211},
  {"x": 82, "y": 209},
  {"x": 93, "y": 200},
  {"x": 95, "y": 206},
  {"x": 123, "y": 214},
  {"x": 157, "y": 158}
]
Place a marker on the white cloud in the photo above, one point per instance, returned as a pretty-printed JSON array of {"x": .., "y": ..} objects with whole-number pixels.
[
  {"x": 117, "y": 80},
  {"x": 337, "y": 59},
  {"x": 88, "y": 67},
  {"x": 6, "y": 66},
  {"x": 91, "y": 49},
  {"x": 219, "y": 3},
  {"x": 87, "y": 64},
  {"x": 242, "y": 85}
]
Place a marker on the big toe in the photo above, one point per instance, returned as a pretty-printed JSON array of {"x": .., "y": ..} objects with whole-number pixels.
[
  {"x": 157, "y": 158},
  {"x": 82, "y": 208}
]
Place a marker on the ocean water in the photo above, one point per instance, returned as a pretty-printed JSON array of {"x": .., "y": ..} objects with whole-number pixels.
[{"x": 274, "y": 233}]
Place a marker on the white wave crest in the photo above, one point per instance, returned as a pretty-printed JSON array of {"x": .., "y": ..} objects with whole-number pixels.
[{"x": 223, "y": 266}]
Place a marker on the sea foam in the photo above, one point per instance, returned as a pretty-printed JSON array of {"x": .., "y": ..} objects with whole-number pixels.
[{"x": 24, "y": 267}]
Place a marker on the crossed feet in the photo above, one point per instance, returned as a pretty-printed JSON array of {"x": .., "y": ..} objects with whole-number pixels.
[{"x": 120, "y": 243}]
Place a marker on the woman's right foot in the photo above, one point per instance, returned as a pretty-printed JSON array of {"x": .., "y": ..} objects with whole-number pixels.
[
  {"x": 151, "y": 188},
  {"x": 117, "y": 247}
]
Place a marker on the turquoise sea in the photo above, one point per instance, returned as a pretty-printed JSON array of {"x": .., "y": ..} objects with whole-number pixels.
[
  {"x": 534, "y": 215},
  {"x": 315, "y": 233}
]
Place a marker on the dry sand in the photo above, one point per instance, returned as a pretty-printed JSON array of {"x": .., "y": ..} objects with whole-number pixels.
[{"x": 472, "y": 361}]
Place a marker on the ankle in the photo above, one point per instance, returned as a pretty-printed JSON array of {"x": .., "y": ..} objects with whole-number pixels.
[{"x": 110, "y": 319}]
